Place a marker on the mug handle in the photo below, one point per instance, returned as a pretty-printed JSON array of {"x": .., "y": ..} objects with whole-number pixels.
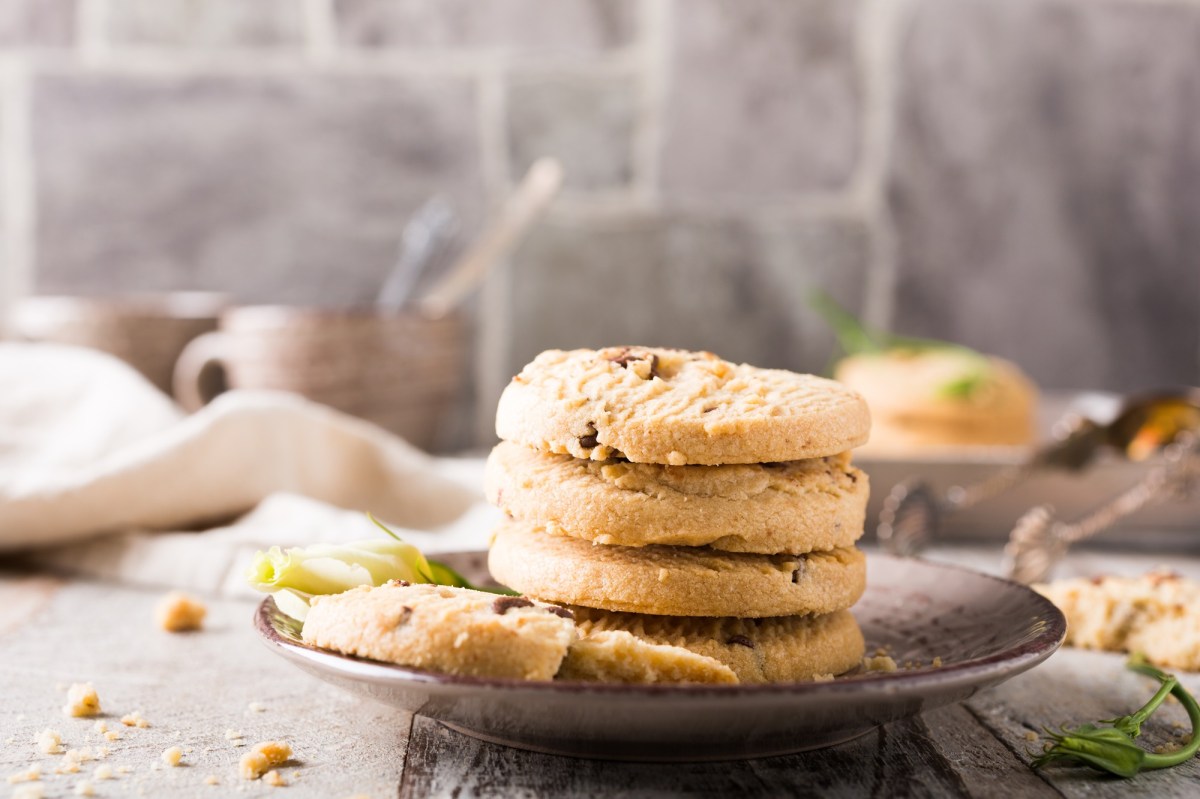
[{"x": 194, "y": 384}]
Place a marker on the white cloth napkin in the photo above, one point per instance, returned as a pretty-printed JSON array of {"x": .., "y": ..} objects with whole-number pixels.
[{"x": 102, "y": 475}]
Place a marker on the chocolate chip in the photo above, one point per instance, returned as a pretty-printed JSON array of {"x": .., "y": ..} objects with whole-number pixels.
[
  {"x": 740, "y": 640},
  {"x": 798, "y": 572},
  {"x": 653, "y": 366},
  {"x": 400, "y": 583},
  {"x": 708, "y": 409},
  {"x": 503, "y": 604},
  {"x": 853, "y": 477},
  {"x": 589, "y": 440},
  {"x": 405, "y": 614},
  {"x": 563, "y": 612},
  {"x": 627, "y": 357}
]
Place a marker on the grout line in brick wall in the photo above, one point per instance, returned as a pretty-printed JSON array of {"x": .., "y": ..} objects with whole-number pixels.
[
  {"x": 654, "y": 47},
  {"x": 319, "y": 29},
  {"x": 16, "y": 278},
  {"x": 880, "y": 28}
]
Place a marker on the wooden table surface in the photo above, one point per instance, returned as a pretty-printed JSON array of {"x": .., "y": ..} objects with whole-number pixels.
[{"x": 194, "y": 687}]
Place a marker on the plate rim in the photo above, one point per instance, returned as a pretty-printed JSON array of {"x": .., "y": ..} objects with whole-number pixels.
[{"x": 1019, "y": 658}]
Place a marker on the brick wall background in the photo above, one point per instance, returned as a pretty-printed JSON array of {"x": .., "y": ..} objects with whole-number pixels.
[{"x": 1019, "y": 175}]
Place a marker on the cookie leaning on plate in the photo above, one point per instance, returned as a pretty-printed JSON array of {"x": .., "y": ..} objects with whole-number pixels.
[
  {"x": 673, "y": 581},
  {"x": 786, "y": 649},
  {"x": 450, "y": 630},
  {"x": 794, "y": 507},
  {"x": 676, "y": 407}
]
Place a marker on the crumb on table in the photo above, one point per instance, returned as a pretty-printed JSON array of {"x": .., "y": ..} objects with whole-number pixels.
[
  {"x": 259, "y": 760},
  {"x": 883, "y": 663},
  {"x": 82, "y": 700},
  {"x": 134, "y": 719},
  {"x": 103, "y": 772},
  {"x": 31, "y": 774},
  {"x": 49, "y": 742},
  {"x": 179, "y": 612},
  {"x": 274, "y": 778},
  {"x": 172, "y": 755},
  {"x": 84, "y": 788}
]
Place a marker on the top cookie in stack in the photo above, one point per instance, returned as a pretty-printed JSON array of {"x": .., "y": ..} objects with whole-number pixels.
[{"x": 688, "y": 500}]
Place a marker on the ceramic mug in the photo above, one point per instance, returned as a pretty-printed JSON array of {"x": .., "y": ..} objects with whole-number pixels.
[
  {"x": 402, "y": 371},
  {"x": 147, "y": 331}
]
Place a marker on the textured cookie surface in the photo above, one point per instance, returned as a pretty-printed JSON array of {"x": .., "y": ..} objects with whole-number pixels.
[
  {"x": 450, "y": 630},
  {"x": 618, "y": 656},
  {"x": 676, "y": 407},
  {"x": 785, "y": 649},
  {"x": 1157, "y": 614},
  {"x": 673, "y": 581},
  {"x": 794, "y": 507},
  {"x": 939, "y": 398}
]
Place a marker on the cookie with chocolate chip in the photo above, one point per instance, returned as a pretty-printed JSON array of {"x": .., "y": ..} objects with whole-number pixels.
[
  {"x": 673, "y": 581},
  {"x": 651, "y": 405},
  {"x": 443, "y": 629},
  {"x": 794, "y": 507},
  {"x": 783, "y": 649}
]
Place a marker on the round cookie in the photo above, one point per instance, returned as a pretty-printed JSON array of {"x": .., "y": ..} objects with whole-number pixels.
[
  {"x": 794, "y": 507},
  {"x": 676, "y": 407},
  {"x": 444, "y": 629},
  {"x": 942, "y": 398},
  {"x": 784, "y": 649},
  {"x": 673, "y": 581}
]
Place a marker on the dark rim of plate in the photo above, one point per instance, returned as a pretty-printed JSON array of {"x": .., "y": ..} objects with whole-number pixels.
[{"x": 1029, "y": 652}]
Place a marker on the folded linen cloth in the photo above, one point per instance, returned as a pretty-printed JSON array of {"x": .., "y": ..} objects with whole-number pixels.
[{"x": 102, "y": 474}]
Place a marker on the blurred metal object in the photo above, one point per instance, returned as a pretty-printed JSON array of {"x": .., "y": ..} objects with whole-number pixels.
[
  {"x": 1144, "y": 424},
  {"x": 1038, "y": 542},
  {"x": 427, "y": 246},
  {"x": 521, "y": 210}
]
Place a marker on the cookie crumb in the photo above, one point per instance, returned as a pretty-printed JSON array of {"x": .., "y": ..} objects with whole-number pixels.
[
  {"x": 103, "y": 772},
  {"x": 82, "y": 700},
  {"x": 49, "y": 742},
  {"x": 823, "y": 678},
  {"x": 70, "y": 767},
  {"x": 1031, "y": 736},
  {"x": 134, "y": 719},
  {"x": 33, "y": 791},
  {"x": 84, "y": 788},
  {"x": 233, "y": 735},
  {"x": 80, "y": 755},
  {"x": 256, "y": 707},
  {"x": 100, "y": 726},
  {"x": 124, "y": 769},
  {"x": 179, "y": 612},
  {"x": 882, "y": 663},
  {"x": 936, "y": 663},
  {"x": 274, "y": 778},
  {"x": 172, "y": 755},
  {"x": 259, "y": 760},
  {"x": 112, "y": 735},
  {"x": 211, "y": 779},
  {"x": 31, "y": 774}
]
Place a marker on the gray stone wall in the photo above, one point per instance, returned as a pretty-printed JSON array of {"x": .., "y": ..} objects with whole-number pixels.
[{"x": 1019, "y": 175}]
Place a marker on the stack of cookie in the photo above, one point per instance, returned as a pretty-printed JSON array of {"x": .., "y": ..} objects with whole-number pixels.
[{"x": 688, "y": 501}]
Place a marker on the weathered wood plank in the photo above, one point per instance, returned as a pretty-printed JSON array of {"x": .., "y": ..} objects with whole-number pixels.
[
  {"x": 1074, "y": 687},
  {"x": 905, "y": 759},
  {"x": 192, "y": 688}
]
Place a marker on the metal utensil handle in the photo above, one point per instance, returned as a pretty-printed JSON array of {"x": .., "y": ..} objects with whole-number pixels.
[{"x": 523, "y": 208}]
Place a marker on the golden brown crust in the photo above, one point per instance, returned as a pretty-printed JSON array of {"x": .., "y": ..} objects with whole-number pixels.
[
  {"x": 673, "y": 581},
  {"x": 676, "y": 407},
  {"x": 783, "y": 649},
  {"x": 794, "y": 507}
]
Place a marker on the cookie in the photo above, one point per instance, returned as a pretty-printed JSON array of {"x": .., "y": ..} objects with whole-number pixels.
[
  {"x": 795, "y": 507},
  {"x": 1157, "y": 614},
  {"x": 941, "y": 398},
  {"x": 783, "y": 649},
  {"x": 443, "y": 629},
  {"x": 676, "y": 407},
  {"x": 673, "y": 581},
  {"x": 618, "y": 656}
]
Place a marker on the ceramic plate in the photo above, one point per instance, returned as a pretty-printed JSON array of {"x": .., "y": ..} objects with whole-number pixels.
[{"x": 985, "y": 630}]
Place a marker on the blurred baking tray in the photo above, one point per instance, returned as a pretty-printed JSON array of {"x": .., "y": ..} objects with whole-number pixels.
[{"x": 1173, "y": 525}]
